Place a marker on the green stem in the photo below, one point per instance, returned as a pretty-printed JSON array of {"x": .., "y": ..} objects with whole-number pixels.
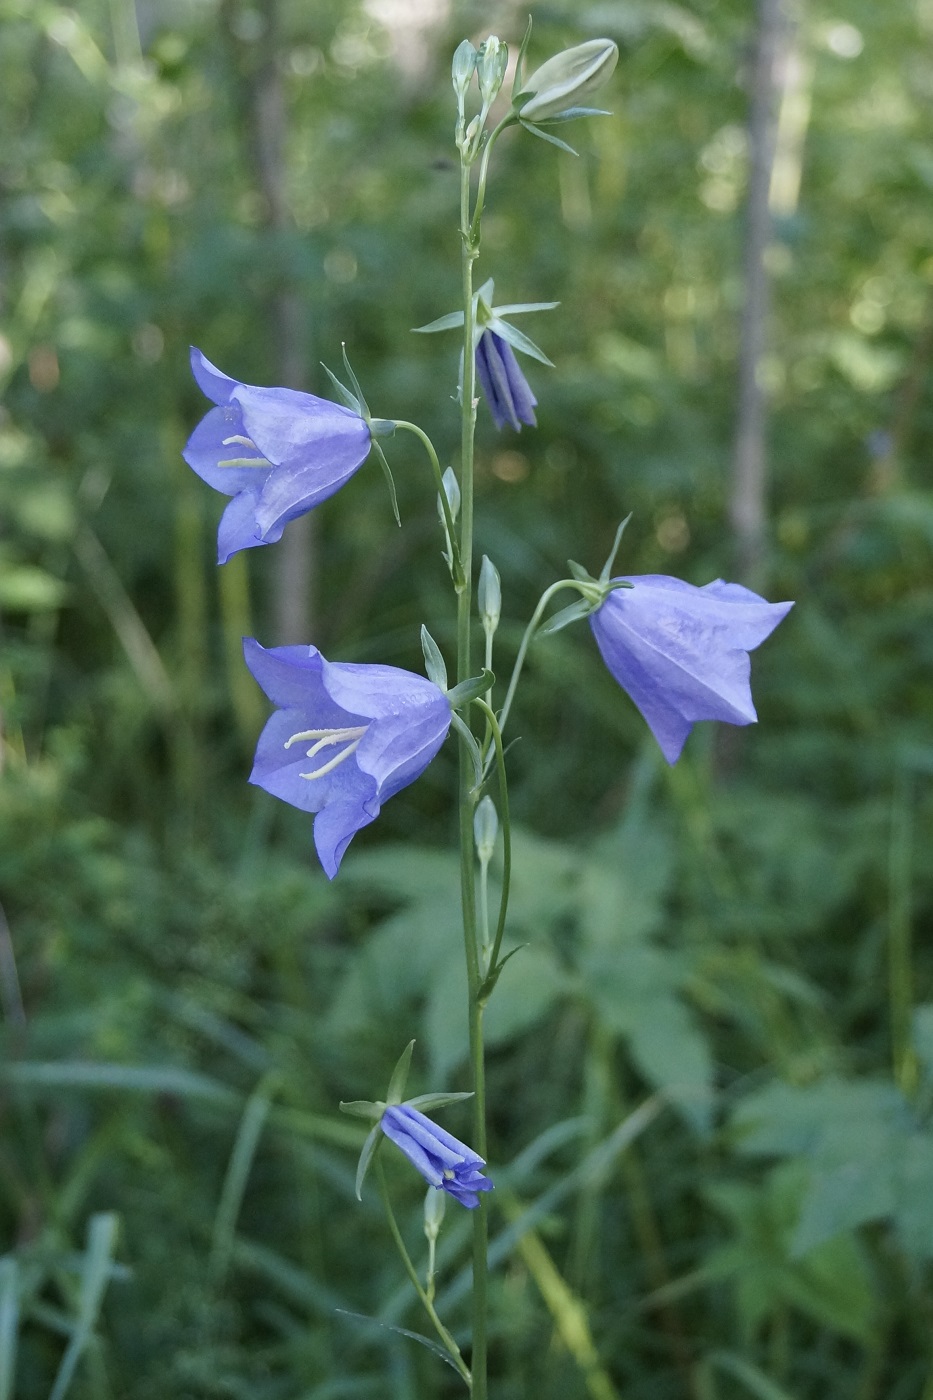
[
  {"x": 483, "y": 171},
  {"x": 449, "y": 1344},
  {"x": 456, "y": 568},
  {"x": 530, "y": 630},
  {"x": 506, "y": 822},
  {"x": 468, "y": 254}
]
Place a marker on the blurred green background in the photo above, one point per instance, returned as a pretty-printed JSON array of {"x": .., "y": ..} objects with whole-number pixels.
[{"x": 185, "y": 998}]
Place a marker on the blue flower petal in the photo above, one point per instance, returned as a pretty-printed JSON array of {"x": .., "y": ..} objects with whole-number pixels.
[
  {"x": 681, "y": 652},
  {"x": 305, "y": 449},
  {"x": 505, "y": 388},
  {"x": 376, "y": 728},
  {"x": 441, "y": 1159}
]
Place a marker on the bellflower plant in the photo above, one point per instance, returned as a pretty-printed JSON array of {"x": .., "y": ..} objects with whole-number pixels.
[
  {"x": 344, "y": 738},
  {"x": 681, "y": 652},
  {"x": 277, "y": 452}
]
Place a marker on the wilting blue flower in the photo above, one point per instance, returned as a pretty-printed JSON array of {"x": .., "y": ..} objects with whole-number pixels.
[
  {"x": 277, "y": 452},
  {"x": 344, "y": 739},
  {"x": 506, "y": 389},
  {"x": 441, "y": 1159},
  {"x": 681, "y": 652}
]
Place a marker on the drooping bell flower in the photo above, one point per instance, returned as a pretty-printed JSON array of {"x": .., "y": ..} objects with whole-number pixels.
[
  {"x": 277, "y": 452},
  {"x": 681, "y": 652},
  {"x": 442, "y": 1159},
  {"x": 344, "y": 738},
  {"x": 495, "y": 341},
  {"x": 505, "y": 388}
]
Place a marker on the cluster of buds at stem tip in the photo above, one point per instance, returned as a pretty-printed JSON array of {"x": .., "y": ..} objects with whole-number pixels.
[{"x": 556, "y": 88}]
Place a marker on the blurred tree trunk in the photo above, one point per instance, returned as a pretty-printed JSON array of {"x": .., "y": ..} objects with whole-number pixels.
[
  {"x": 266, "y": 130},
  {"x": 747, "y": 507}
]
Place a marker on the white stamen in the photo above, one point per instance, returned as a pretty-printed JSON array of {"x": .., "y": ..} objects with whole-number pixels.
[
  {"x": 243, "y": 461},
  {"x": 326, "y": 738},
  {"x": 334, "y": 763}
]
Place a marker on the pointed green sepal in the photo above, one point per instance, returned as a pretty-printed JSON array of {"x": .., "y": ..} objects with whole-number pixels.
[
  {"x": 443, "y": 323},
  {"x": 396, "y": 1090},
  {"x": 370, "y": 1147},
  {"x": 425, "y": 1103},
  {"x": 434, "y": 664},
  {"x": 521, "y": 308},
  {"x": 355, "y": 383},
  {"x": 520, "y": 65},
  {"x": 580, "y": 574},
  {"x": 468, "y": 691},
  {"x": 362, "y": 1108},
  {"x": 390, "y": 481},
  {"x": 607, "y": 567},
  {"x": 574, "y": 613},
  {"x": 546, "y": 136},
  {"x": 518, "y": 340},
  {"x": 343, "y": 393}
]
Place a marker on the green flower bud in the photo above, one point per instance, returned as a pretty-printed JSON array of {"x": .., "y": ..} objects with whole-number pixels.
[
  {"x": 434, "y": 1205},
  {"x": 563, "y": 80},
  {"x": 489, "y": 596},
  {"x": 462, "y": 68},
  {"x": 490, "y": 68},
  {"x": 485, "y": 830}
]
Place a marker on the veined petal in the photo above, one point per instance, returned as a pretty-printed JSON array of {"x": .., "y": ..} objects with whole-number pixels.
[
  {"x": 292, "y": 428},
  {"x": 237, "y": 528},
  {"x": 336, "y": 825},
  {"x": 681, "y": 653},
  {"x": 210, "y": 444},
  {"x": 212, "y": 382}
]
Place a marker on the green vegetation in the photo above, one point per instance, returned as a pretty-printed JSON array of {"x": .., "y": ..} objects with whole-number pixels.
[{"x": 732, "y": 950}]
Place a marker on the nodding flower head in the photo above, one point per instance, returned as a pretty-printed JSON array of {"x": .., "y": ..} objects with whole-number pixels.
[
  {"x": 681, "y": 652},
  {"x": 442, "y": 1159},
  {"x": 277, "y": 452},
  {"x": 344, "y": 739}
]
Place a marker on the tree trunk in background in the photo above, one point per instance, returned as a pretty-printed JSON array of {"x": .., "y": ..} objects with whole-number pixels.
[
  {"x": 747, "y": 507},
  {"x": 266, "y": 135}
]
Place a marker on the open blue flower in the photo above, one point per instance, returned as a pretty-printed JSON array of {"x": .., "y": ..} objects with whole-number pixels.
[
  {"x": 441, "y": 1159},
  {"x": 506, "y": 389},
  {"x": 277, "y": 452},
  {"x": 345, "y": 737},
  {"x": 681, "y": 652}
]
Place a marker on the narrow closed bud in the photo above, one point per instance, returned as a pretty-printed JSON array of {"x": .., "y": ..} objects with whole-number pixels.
[
  {"x": 561, "y": 82},
  {"x": 490, "y": 68},
  {"x": 452, "y": 492},
  {"x": 485, "y": 830},
  {"x": 434, "y": 1205},
  {"x": 489, "y": 596},
  {"x": 462, "y": 68}
]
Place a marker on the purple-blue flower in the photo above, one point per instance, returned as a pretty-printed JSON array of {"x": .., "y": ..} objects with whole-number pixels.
[
  {"x": 277, "y": 452},
  {"x": 344, "y": 738},
  {"x": 441, "y": 1159},
  {"x": 681, "y": 652},
  {"x": 506, "y": 389}
]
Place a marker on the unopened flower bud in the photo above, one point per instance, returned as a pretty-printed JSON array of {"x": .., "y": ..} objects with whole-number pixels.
[
  {"x": 490, "y": 68},
  {"x": 485, "y": 830},
  {"x": 452, "y": 492},
  {"x": 563, "y": 80},
  {"x": 434, "y": 1203},
  {"x": 489, "y": 596},
  {"x": 462, "y": 68}
]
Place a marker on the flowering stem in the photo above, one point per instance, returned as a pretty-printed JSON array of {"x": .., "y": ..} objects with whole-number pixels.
[
  {"x": 469, "y": 251},
  {"x": 493, "y": 725},
  {"x": 456, "y": 567},
  {"x": 450, "y": 1346},
  {"x": 483, "y": 169},
  {"x": 530, "y": 630}
]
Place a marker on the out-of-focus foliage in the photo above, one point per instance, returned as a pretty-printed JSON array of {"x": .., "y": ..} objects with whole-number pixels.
[{"x": 185, "y": 998}]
